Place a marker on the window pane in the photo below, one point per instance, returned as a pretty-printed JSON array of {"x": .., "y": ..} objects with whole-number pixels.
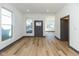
[
  {"x": 49, "y": 24},
  {"x": 6, "y": 32},
  {"x": 5, "y": 12},
  {"x": 5, "y": 20},
  {"x": 6, "y": 24},
  {"x": 29, "y": 26}
]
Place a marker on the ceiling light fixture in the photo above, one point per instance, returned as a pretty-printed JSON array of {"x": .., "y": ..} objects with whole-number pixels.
[
  {"x": 28, "y": 10},
  {"x": 47, "y": 10}
]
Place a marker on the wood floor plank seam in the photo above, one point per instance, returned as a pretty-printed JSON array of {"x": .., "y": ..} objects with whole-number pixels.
[{"x": 39, "y": 46}]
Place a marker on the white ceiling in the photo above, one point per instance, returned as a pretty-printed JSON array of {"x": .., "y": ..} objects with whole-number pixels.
[{"x": 39, "y": 7}]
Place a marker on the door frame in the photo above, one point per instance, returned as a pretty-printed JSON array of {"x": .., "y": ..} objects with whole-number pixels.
[
  {"x": 43, "y": 27},
  {"x": 68, "y": 27}
]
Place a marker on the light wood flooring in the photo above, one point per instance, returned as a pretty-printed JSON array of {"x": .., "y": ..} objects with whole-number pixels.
[{"x": 39, "y": 46}]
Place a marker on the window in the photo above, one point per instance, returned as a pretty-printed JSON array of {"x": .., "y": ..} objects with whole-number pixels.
[
  {"x": 6, "y": 24},
  {"x": 49, "y": 24},
  {"x": 28, "y": 26}
]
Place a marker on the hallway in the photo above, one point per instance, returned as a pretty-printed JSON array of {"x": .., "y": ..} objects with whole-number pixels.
[{"x": 23, "y": 29}]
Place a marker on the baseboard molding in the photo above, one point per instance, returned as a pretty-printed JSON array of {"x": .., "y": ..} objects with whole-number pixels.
[
  {"x": 57, "y": 37},
  {"x": 39, "y": 36},
  {"x": 34, "y": 36},
  {"x": 68, "y": 45},
  {"x": 5, "y": 48},
  {"x": 73, "y": 49},
  {"x": 50, "y": 31}
]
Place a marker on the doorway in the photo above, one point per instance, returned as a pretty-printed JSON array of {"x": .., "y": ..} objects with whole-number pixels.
[
  {"x": 64, "y": 26},
  {"x": 38, "y": 28}
]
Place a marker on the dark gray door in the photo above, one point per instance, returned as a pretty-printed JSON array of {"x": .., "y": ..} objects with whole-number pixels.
[
  {"x": 65, "y": 29},
  {"x": 38, "y": 28}
]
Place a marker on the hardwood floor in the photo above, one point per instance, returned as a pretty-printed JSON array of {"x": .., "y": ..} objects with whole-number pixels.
[{"x": 39, "y": 46}]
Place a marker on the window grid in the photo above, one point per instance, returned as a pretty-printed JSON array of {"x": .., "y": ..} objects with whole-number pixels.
[{"x": 6, "y": 27}]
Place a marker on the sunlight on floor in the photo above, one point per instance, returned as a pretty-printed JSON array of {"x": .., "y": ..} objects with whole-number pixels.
[{"x": 50, "y": 35}]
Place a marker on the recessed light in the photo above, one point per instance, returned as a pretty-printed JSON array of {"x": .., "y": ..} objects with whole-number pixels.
[
  {"x": 28, "y": 10},
  {"x": 47, "y": 10}
]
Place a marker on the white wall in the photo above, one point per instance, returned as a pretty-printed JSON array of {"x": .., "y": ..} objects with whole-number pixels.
[
  {"x": 19, "y": 20},
  {"x": 73, "y": 11},
  {"x": 36, "y": 17},
  {"x": 17, "y": 26}
]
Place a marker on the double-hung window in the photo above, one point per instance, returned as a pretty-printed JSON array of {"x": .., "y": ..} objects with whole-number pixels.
[
  {"x": 29, "y": 26},
  {"x": 6, "y": 24}
]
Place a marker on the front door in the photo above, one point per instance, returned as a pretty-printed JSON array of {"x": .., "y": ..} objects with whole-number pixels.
[{"x": 38, "y": 28}]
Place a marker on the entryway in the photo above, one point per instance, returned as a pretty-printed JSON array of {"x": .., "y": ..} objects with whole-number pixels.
[
  {"x": 38, "y": 28},
  {"x": 64, "y": 28}
]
